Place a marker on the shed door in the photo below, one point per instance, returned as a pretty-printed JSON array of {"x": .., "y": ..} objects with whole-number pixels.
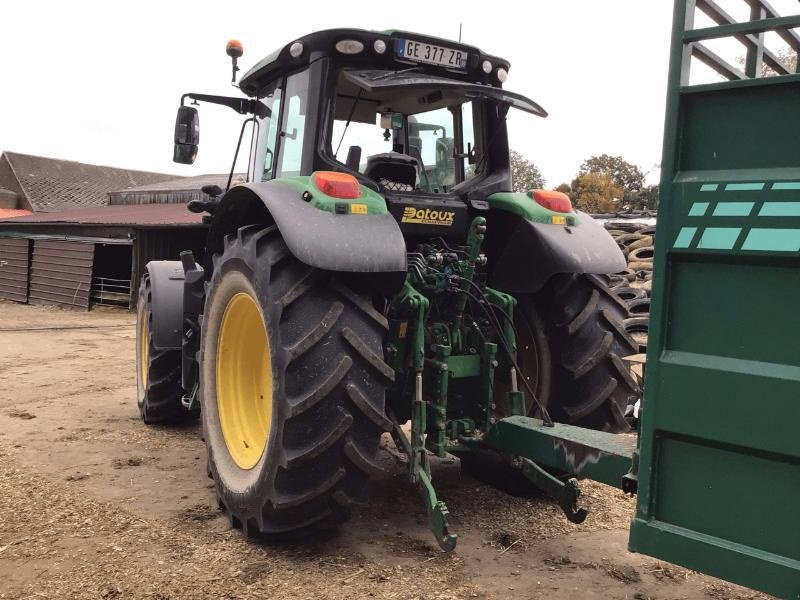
[
  {"x": 61, "y": 273},
  {"x": 14, "y": 268}
]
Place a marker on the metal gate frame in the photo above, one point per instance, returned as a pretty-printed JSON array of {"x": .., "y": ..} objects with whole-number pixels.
[{"x": 719, "y": 471}]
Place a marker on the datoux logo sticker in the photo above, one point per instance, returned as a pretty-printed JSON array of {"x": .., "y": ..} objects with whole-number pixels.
[{"x": 426, "y": 216}]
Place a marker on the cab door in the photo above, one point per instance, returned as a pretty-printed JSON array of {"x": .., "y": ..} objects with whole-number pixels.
[{"x": 265, "y": 142}]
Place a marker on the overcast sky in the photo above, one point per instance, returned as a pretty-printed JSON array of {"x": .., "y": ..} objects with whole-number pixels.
[{"x": 99, "y": 82}]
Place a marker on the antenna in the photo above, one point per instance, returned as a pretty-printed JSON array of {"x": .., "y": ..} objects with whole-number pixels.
[{"x": 460, "y": 25}]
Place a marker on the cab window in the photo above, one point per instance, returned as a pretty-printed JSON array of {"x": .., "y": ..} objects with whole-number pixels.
[
  {"x": 263, "y": 162},
  {"x": 366, "y": 136},
  {"x": 406, "y": 139},
  {"x": 431, "y": 142},
  {"x": 293, "y": 130},
  {"x": 468, "y": 120}
]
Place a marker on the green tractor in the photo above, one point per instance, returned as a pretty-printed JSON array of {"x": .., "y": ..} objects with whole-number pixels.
[{"x": 376, "y": 269}]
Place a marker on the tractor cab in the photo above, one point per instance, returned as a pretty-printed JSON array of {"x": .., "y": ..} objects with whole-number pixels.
[
  {"x": 438, "y": 124},
  {"x": 401, "y": 112}
]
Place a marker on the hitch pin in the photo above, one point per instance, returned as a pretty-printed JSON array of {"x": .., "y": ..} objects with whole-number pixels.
[{"x": 514, "y": 386}]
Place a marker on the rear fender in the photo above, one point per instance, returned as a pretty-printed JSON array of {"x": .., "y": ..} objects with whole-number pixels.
[
  {"x": 352, "y": 243},
  {"x": 534, "y": 251}
]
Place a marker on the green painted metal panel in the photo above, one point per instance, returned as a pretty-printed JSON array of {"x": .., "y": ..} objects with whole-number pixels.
[
  {"x": 688, "y": 497},
  {"x": 369, "y": 203},
  {"x": 525, "y": 206},
  {"x": 719, "y": 465},
  {"x": 464, "y": 365},
  {"x": 740, "y": 128},
  {"x": 598, "y": 455},
  {"x": 709, "y": 554}
]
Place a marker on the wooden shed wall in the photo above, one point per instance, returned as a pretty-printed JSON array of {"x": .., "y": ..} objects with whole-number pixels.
[
  {"x": 15, "y": 263},
  {"x": 61, "y": 273}
]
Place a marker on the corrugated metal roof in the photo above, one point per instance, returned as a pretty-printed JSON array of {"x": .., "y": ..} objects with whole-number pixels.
[
  {"x": 173, "y": 190},
  {"x": 134, "y": 214},
  {"x": 7, "y": 213},
  {"x": 51, "y": 184},
  {"x": 188, "y": 183}
]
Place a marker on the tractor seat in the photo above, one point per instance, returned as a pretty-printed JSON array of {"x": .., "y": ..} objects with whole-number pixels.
[{"x": 393, "y": 171}]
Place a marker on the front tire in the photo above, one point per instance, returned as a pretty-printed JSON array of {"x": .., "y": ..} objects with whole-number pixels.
[
  {"x": 158, "y": 372},
  {"x": 292, "y": 383}
]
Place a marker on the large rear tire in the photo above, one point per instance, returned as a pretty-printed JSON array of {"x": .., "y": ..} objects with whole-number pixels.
[
  {"x": 158, "y": 372},
  {"x": 570, "y": 349},
  {"x": 572, "y": 342},
  {"x": 292, "y": 384}
]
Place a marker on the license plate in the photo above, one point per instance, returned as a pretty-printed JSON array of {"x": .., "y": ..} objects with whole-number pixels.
[{"x": 431, "y": 54}]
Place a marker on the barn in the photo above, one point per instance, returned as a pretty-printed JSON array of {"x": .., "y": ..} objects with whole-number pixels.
[{"x": 81, "y": 235}]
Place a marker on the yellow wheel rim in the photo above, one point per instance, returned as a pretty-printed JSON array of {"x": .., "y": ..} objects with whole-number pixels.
[
  {"x": 244, "y": 380},
  {"x": 144, "y": 348}
]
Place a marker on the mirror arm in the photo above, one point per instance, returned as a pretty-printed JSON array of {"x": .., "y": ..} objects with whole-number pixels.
[{"x": 243, "y": 106}]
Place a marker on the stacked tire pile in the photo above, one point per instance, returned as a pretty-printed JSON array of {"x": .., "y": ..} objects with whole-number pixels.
[{"x": 634, "y": 283}]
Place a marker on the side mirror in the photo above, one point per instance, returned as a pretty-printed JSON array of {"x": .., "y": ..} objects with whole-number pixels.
[
  {"x": 187, "y": 135},
  {"x": 354, "y": 158}
]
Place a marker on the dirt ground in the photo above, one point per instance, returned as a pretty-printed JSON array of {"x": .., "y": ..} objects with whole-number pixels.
[{"x": 93, "y": 504}]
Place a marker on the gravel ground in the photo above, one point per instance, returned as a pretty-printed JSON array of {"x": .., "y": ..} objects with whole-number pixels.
[{"x": 93, "y": 504}]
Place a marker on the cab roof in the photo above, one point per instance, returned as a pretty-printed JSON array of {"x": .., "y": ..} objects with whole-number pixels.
[{"x": 323, "y": 43}]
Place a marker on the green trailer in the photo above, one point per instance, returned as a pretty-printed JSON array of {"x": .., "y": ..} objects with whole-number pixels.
[
  {"x": 341, "y": 298},
  {"x": 717, "y": 465},
  {"x": 719, "y": 462}
]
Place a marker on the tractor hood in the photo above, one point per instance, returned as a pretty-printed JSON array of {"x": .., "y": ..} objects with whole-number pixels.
[{"x": 383, "y": 81}]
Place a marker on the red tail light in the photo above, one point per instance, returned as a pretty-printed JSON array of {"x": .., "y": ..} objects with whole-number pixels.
[
  {"x": 338, "y": 185},
  {"x": 552, "y": 200}
]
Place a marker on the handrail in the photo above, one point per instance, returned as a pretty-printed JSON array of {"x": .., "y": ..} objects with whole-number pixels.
[
  {"x": 717, "y": 14},
  {"x": 759, "y": 26},
  {"x": 715, "y": 61},
  {"x": 790, "y": 37},
  {"x": 763, "y": 18}
]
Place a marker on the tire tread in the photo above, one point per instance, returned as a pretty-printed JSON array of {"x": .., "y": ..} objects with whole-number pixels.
[
  {"x": 161, "y": 401},
  {"x": 327, "y": 344},
  {"x": 592, "y": 386}
]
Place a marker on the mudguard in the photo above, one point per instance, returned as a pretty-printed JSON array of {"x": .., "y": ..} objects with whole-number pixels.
[
  {"x": 166, "y": 302},
  {"x": 534, "y": 252},
  {"x": 356, "y": 243}
]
